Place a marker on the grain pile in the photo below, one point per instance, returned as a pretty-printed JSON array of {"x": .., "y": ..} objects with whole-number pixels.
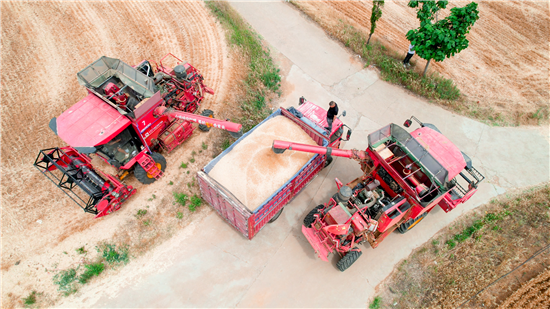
[{"x": 252, "y": 171}]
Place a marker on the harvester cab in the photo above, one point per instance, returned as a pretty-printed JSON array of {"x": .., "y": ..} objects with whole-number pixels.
[
  {"x": 129, "y": 116},
  {"x": 405, "y": 175}
]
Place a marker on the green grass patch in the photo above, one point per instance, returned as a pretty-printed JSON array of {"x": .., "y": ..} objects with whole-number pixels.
[
  {"x": 30, "y": 300},
  {"x": 179, "y": 215},
  {"x": 140, "y": 213},
  {"x": 183, "y": 165},
  {"x": 196, "y": 202},
  {"x": 376, "y": 303},
  {"x": 181, "y": 198},
  {"x": 263, "y": 79},
  {"x": 114, "y": 255},
  {"x": 81, "y": 250},
  {"x": 432, "y": 86},
  {"x": 93, "y": 269},
  {"x": 226, "y": 143},
  {"x": 204, "y": 146},
  {"x": 65, "y": 279}
]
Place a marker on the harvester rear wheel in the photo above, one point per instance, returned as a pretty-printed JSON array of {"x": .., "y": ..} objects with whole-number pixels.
[
  {"x": 206, "y": 113},
  {"x": 142, "y": 175},
  {"x": 309, "y": 219},
  {"x": 405, "y": 227},
  {"x": 348, "y": 259}
]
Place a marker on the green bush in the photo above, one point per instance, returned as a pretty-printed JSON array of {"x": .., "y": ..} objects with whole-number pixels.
[
  {"x": 93, "y": 269},
  {"x": 112, "y": 255},
  {"x": 196, "y": 201},
  {"x": 30, "y": 300},
  {"x": 65, "y": 279},
  {"x": 181, "y": 198}
]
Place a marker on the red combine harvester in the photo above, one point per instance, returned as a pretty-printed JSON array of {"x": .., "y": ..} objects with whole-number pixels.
[
  {"x": 405, "y": 176},
  {"x": 129, "y": 115}
]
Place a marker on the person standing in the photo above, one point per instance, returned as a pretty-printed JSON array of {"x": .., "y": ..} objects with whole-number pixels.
[
  {"x": 331, "y": 115},
  {"x": 410, "y": 53}
]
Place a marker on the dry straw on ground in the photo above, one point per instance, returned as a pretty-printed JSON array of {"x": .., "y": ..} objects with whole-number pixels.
[{"x": 472, "y": 253}]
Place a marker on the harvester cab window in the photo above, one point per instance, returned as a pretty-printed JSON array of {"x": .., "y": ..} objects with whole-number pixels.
[{"x": 122, "y": 148}]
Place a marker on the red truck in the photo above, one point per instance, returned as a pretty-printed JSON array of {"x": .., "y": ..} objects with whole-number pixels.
[{"x": 312, "y": 119}]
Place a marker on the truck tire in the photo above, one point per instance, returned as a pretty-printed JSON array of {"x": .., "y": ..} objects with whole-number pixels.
[
  {"x": 206, "y": 113},
  {"x": 347, "y": 260},
  {"x": 276, "y": 216},
  {"x": 143, "y": 176},
  {"x": 309, "y": 219},
  {"x": 328, "y": 161},
  {"x": 409, "y": 224}
]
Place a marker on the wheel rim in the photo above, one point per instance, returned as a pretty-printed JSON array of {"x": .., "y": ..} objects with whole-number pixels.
[
  {"x": 209, "y": 125},
  {"x": 158, "y": 166},
  {"x": 410, "y": 227}
]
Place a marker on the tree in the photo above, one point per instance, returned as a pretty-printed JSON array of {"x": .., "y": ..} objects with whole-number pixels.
[
  {"x": 375, "y": 15},
  {"x": 444, "y": 38}
]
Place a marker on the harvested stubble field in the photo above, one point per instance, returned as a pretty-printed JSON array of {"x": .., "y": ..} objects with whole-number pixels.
[
  {"x": 44, "y": 45},
  {"x": 481, "y": 260},
  {"x": 504, "y": 71}
]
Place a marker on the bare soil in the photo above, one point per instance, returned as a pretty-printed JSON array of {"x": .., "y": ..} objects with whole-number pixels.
[
  {"x": 485, "y": 269},
  {"x": 44, "y": 45},
  {"x": 505, "y": 67}
]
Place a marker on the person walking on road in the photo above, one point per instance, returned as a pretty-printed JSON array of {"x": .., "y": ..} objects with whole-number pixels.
[
  {"x": 410, "y": 53},
  {"x": 331, "y": 115}
]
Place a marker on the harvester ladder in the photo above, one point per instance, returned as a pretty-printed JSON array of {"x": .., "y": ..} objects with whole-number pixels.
[{"x": 150, "y": 167}]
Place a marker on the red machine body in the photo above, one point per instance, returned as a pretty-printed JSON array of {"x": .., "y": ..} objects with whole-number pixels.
[
  {"x": 404, "y": 177},
  {"x": 129, "y": 116}
]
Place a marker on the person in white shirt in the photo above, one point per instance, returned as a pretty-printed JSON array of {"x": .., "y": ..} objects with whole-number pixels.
[{"x": 410, "y": 53}]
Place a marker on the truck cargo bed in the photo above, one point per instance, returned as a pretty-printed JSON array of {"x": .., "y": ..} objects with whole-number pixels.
[{"x": 248, "y": 222}]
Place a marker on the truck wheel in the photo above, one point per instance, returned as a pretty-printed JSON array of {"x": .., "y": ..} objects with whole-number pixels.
[
  {"x": 348, "y": 259},
  {"x": 309, "y": 219},
  {"x": 142, "y": 175},
  {"x": 206, "y": 113},
  {"x": 409, "y": 224},
  {"x": 276, "y": 216},
  {"x": 328, "y": 162}
]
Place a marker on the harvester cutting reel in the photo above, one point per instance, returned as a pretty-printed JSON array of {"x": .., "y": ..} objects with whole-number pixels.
[{"x": 72, "y": 172}]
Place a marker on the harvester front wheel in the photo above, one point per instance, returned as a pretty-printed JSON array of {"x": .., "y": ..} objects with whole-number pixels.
[
  {"x": 146, "y": 178},
  {"x": 309, "y": 219},
  {"x": 409, "y": 224},
  {"x": 206, "y": 113},
  {"x": 348, "y": 259}
]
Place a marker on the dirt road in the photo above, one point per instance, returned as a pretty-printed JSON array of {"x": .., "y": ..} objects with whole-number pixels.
[{"x": 44, "y": 45}]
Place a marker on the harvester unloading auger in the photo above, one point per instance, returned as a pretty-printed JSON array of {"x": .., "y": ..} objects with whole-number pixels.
[
  {"x": 128, "y": 117},
  {"x": 405, "y": 175}
]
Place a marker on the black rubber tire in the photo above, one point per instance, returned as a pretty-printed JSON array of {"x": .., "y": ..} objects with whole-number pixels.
[
  {"x": 309, "y": 219},
  {"x": 142, "y": 175},
  {"x": 347, "y": 260},
  {"x": 206, "y": 113},
  {"x": 405, "y": 227},
  {"x": 328, "y": 161},
  {"x": 276, "y": 216}
]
